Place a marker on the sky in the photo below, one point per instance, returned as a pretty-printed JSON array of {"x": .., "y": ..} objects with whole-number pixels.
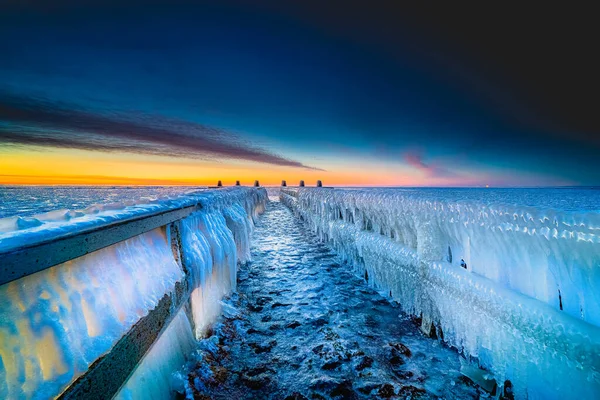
[{"x": 188, "y": 93}]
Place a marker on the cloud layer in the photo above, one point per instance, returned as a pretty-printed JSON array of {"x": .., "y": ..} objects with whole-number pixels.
[{"x": 42, "y": 122}]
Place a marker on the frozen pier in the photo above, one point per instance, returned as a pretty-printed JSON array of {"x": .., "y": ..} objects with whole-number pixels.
[{"x": 333, "y": 293}]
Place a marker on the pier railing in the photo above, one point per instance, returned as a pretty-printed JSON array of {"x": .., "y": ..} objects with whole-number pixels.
[{"x": 107, "y": 374}]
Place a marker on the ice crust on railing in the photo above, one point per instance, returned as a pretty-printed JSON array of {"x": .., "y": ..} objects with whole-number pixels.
[
  {"x": 59, "y": 320},
  {"x": 153, "y": 378},
  {"x": 30, "y": 230},
  {"x": 504, "y": 308},
  {"x": 55, "y": 323}
]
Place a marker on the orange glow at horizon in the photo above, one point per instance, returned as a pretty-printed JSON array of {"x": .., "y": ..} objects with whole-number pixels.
[{"x": 77, "y": 167}]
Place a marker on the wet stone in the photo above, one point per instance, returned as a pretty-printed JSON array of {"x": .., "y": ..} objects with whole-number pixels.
[
  {"x": 367, "y": 389},
  {"x": 412, "y": 392},
  {"x": 256, "y": 382},
  {"x": 293, "y": 325},
  {"x": 331, "y": 365},
  {"x": 278, "y": 304},
  {"x": 402, "y": 349},
  {"x": 344, "y": 390},
  {"x": 386, "y": 391},
  {"x": 365, "y": 362},
  {"x": 261, "y": 301},
  {"x": 255, "y": 308},
  {"x": 296, "y": 396}
]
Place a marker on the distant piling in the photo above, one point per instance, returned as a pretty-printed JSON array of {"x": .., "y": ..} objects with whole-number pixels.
[
  {"x": 256, "y": 184},
  {"x": 283, "y": 183},
  {"x": 237, "y": 183},
  {"x": 301, "y": 183},
  {"x": 319, "y": 184},
  {"x": 220, "y": 184}
]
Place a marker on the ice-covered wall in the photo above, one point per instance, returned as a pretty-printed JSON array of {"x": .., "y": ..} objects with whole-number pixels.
[
  {"x": 527, "y": 305},
  {"x": 155, "y": 376},
  {"x": 56, "y": 322}
]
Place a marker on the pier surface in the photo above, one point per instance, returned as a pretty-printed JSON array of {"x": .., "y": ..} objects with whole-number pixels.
[{"x": 302, "y": 326}]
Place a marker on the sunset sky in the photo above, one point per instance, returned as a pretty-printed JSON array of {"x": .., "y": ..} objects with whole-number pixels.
[{"x": 186, "y": 93}]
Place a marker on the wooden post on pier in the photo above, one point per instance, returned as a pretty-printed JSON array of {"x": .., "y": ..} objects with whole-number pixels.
[
  {"x": 283, "y": 183},
  {"x": 256, "y": 184},
  {"x": 237, "y": 183},
  {"x": 319, "y": 184},
  {"x": 301, "y": 183},
  {"x": 220, "y": 184}
]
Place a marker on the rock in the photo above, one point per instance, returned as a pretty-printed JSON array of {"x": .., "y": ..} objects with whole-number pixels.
[
  {"x": 402, "y": 349},
  {"x": 263, "y": 348},
  {"x": 252, "y": 331},
  {"x": 371, "y": 322},
  {"x": 329, "y": 365},
  {"x": 386, "y": 391},
  {"x": 255, "y": 308},
  {"x": 330, "y": 334},
  {"x": 296, "y": 396},
  {"x": 320, "y": 321},
  {"x": 261, "y": 301},
  {"x": 318, "y": 349},
  {"x": 395, "y": 356},
  {"x": 367, "y": 389},
  {"x": 220, "y": 374},
  {"x": 403, "y": 374},
  {"x": 396, "y": 360},
  {"x": 266, "y": 318},
  {"x": 275, "y": 305},
  {"x": 508, "y": 391},
  {"x": 261, "y": 369},
  {"x": 324, "y": 384},
  {"x": 344, "y": 389},
  {"x": 256, "y": 382},
  {"x": 365, "y": 362},
  {"x": 293, "y": 325},
  {"x": 412, "y": 391}
]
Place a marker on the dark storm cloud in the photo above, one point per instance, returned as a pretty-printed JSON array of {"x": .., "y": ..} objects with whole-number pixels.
[{"x": 41, "y": 122}]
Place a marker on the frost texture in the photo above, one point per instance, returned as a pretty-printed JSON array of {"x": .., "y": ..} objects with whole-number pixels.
[
  {"x": 55, "y": 323},
  {"x": 523, "y": 265},
  {"x": 155, "y": 376}
]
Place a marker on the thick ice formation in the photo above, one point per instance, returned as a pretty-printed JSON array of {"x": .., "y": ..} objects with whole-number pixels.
[
  {"x": 153, "y": 378},
  {"x": 55, "y": 323},
  {"x": 526, "y": 306}
]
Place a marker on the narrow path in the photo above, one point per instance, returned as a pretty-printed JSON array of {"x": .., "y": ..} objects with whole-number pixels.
[{"x": 302, "y": 326}]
